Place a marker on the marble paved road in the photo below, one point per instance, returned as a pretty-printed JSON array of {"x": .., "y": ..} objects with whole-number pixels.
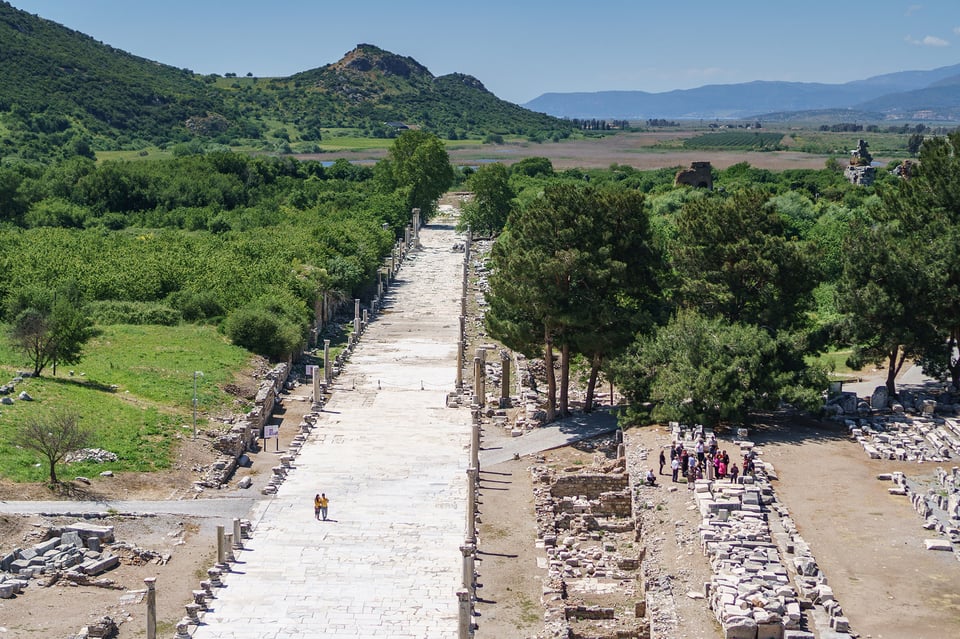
[{"x": 392, "y": 459}]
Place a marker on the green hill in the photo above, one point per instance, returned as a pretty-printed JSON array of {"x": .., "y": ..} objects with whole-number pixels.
[{"x": 63, "y": 93}]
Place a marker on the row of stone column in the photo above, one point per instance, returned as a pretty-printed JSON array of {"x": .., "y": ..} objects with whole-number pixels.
[
  {"x": 362, "y": 316},
  {"x": 467, "y": 596},
  {"x": 464, "y": 287},
  {"x": 227, "y": 542}
]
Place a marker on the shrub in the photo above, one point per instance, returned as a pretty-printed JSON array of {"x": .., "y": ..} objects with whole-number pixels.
[
  {"x": 257, "y": 329},
  {"x": 115, "y": 312}
]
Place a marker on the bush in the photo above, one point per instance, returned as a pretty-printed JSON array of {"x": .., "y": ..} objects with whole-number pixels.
[
  {"x": 258, "y": 330},
  {"x": 194, "y": 306},
  {"x": 114, "y": 312}
]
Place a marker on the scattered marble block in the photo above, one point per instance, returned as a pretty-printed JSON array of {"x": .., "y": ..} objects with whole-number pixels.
[{"x": 938, "y": 544}]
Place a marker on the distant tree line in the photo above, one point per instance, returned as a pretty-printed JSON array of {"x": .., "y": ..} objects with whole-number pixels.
[{"x": 600, "y": 125}]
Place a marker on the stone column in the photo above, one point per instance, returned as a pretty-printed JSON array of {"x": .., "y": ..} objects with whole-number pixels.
[
  {"x": 221, "y": 542},
  {"x": 477, "y": 397},
  {"x": 416, "y": 228},
  {"x": 482, "y": 373},
  {"x": 365, "y": 320},
  {"x": 356, "y": 317},
  {"x": 151, "y": 607},
  {"x": 464, "y": 289},
  {"x": 475, "y": 441},
  {"x": 460, "y": 339},
  {"x": 504, "y": 379},
  {"x": 471, "y": 506},
  {"x": 327, "y": 372},
  {"x": 406, "y": 238},
  {"x": 467, "y": 551},
  {"x": 228, "y": 547},
  {"x": 465, "y": 625},
  {"x": 468, "y": 245},
  {"x": 237, "y": 535}
]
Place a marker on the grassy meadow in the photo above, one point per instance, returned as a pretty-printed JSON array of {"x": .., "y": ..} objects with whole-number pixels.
[{"x": 134, "y": 388}]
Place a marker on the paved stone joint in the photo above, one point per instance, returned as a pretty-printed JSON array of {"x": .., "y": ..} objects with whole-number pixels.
[{"x": 393, "y": 460}]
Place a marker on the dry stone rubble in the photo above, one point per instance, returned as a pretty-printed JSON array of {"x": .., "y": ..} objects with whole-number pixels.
[
  {"x": 74, "y": 553},
  {"x": 914, "y": 428},
  {"x": 587, "y": 530}
]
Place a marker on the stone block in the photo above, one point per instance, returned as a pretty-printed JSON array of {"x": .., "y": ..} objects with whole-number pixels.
[
  {"x": 938, "y": 544},
  {"x": 840, "y": 624},
  {"x": 97, "y": 566},
  {"x": 71, "y": 538},
  {"x": 45, "y": 546},
  {"x": 770, "y": 631},
  {"x": 103, "y": 533},
  {"x": 740, "y": 628}
]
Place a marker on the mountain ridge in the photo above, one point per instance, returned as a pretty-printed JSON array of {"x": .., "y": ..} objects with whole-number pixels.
[
  {"x": 61, "y": 90},
  {"x": 898, "y": 95}
]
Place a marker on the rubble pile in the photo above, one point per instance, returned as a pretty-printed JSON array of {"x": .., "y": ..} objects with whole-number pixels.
[
  {"x": 76, "y": 552},
  {"x": 586, "y": 527},
  {"x": 938, "y": 507},
  {"x": 764, "y": 572},
  {"x": 914, "y": 427}
]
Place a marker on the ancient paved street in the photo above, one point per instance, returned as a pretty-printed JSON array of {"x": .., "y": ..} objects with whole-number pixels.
[{"x": 392, "y": 459}]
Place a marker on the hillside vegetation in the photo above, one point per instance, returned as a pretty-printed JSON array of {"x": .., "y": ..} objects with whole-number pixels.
[{"x": 62, "y": 93}]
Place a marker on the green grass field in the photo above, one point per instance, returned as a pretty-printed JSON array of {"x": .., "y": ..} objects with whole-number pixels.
[{"x": 134, "y": 389}]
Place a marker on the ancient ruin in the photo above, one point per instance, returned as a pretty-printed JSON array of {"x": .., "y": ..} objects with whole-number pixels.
[
  {"x": 699, "y": 176},
  {"x": 861, "y": 170}
]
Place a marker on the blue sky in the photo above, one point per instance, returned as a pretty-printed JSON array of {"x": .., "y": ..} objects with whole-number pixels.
[{"x": 520, "y": 49}]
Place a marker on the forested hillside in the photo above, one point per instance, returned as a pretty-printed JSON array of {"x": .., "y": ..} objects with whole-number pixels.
[{"x": 62, "y": 94}]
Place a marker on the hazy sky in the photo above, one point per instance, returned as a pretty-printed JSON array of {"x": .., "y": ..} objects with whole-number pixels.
[{"x": 521, "y": 49}]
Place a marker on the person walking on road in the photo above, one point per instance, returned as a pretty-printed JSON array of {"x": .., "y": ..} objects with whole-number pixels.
[
  {"x": 316, "y": 505},
  {"x": 324, "y": 504}
]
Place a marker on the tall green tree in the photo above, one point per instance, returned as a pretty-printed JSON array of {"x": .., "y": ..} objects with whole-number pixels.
[
  {"x": 707, "y": 370},
  {"x": 50, "y": 327},
  {"x": 921, "y": 223},
  {"x": 732, "y": 258},
  {"x": 620, "y": 296},
  {"x": 884, "y": 296},
  {"x": 570, "y": 266},
  {"x": 492, "y": 200},
  {"x": 420, "y": 166}
]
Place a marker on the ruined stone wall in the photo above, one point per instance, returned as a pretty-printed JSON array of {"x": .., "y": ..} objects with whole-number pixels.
[
  {"x": 699, "y": 176},
  {"x": 589, "y": 485},
  {"x": 586, "y": 525}
]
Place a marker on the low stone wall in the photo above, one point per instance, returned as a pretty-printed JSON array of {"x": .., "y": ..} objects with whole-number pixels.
[
  {"x": 939, "y": 508},
  {"x": 589, "y": 485},
  {"x": 243, "y": 433}
]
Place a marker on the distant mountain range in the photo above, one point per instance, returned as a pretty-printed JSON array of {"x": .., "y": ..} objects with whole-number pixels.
[{"x": 905, "y": 95}]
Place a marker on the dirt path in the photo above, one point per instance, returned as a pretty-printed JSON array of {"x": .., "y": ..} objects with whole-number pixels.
[{"x": 869, "y": 543}]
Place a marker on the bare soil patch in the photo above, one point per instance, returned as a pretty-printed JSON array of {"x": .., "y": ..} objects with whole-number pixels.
[{"x": 629, "y": 149}]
